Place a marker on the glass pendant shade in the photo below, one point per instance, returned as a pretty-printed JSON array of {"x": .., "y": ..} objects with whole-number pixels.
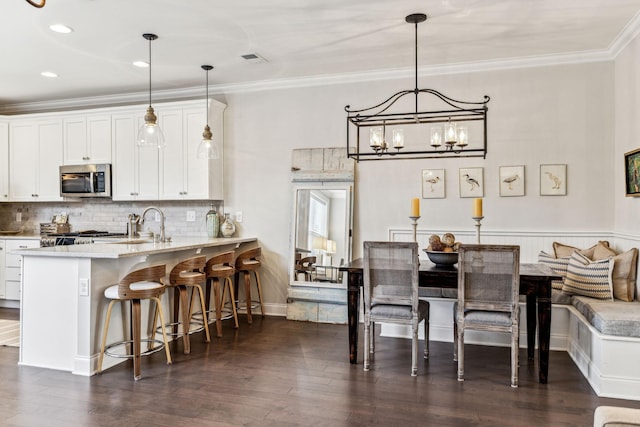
[
  {"x": 208, "y": 148},
  {"x": 150, "y": 134}
]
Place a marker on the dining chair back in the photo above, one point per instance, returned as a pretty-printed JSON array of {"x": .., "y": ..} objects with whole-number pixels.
[
  {"x": 488, "y": 297},
  {"x": 390, "y": 279}
]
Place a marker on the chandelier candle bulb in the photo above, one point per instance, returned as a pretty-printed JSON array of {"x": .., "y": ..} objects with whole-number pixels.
[
  {"x": 463, "y": 136},
  {"x": 398, "y": 138},
  {"x": 436, "y": 137},
  {"x": 415, "y": 208},
  {"x": 450, "y": 133},
  {"x": 375, "y": 137},
  {"x": 477, "y": 208}
]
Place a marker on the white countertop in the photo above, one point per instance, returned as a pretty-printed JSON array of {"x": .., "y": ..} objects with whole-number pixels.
[
  {"x": 19, "y": 236},
  {"x": 120, "y": 249}
]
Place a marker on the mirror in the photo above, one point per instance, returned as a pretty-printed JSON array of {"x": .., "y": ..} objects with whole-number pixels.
[{"x": 321, "y": 232}]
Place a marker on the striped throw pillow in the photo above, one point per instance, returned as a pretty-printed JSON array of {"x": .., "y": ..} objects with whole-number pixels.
[
  {"x": 557, "y": 265},
  {"x": 589, "y": 278}
]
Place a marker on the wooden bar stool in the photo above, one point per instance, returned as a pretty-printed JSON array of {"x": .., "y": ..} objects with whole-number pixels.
[
  {"x": 246, "y": 263},
  {"x": 145, "y": 283},
  {"x": 188, "y": 274},
  {"x": 220, "y": 269}
]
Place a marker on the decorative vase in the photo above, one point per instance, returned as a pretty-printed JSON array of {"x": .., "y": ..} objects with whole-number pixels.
[
  {"x": 213, "y": 223},
  {"x": 228, "y": 227}
]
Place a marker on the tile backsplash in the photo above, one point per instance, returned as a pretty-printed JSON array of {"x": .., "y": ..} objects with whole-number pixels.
[{"x": 107, "y": 215}]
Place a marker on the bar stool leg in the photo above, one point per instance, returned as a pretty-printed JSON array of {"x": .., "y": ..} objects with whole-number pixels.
[
  {"x": 229, "y": 285},
  {"x": 205, "y": 321},
  {"x": 135, "y": 314},
  {"x": 184, "y": 304},
  {"x": 247, "y": 295},
  {"x": 164, "y": 332},
  {"x": 105, "y": 330},
  {"x": 255, "y": 273},
  {"x": 218, "y": 303}
]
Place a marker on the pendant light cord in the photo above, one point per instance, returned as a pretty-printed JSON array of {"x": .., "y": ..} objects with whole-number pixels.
[
  {"x": 150, "y": 72},
  {"x": 207, "y": 99}
]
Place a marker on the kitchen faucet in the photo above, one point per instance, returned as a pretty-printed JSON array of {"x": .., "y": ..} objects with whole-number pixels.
[{"x": 153, "y": 208}]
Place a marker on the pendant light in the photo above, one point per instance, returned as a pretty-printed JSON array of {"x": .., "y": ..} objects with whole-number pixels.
[
  {"x": 150, "y": 134},
  {"x": 208, "y": 148}
]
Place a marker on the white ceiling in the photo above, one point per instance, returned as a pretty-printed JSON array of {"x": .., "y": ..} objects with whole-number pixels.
[{"x": 298, "y": 38}]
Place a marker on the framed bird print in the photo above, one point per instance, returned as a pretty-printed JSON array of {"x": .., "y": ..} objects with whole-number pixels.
[
  {"x": 433, "y": 184},
  {"x": 471, "y": 182},
  {"x": 511, "y": 181},
  {"x": 553, "y": 180}
]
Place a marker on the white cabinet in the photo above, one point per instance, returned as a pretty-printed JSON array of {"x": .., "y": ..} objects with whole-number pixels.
[
  {"x": 183, "y": 176},
  {"x": 3, "y": 285},
  {"x": 35, "y": 153},
  {"x": 4, "y": 161},
  {"x": 11, "y": 266},
  {"x": 135, "y": 170},
  {"x": 87, "y": 139}
]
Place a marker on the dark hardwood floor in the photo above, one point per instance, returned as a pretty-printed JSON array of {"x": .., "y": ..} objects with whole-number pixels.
[{"x": 285, "y": 373}]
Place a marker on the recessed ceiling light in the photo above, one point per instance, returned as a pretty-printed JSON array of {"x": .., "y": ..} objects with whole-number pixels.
[
  {"x": 48, "y": 74},
  {"x": 60, "y": 28},
  {"x": 141, "y": 64}
]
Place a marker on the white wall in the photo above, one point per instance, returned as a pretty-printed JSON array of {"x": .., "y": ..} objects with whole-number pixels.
[
  {"x": 547, "y": 115},
  {"x": 627, "y": 132}
]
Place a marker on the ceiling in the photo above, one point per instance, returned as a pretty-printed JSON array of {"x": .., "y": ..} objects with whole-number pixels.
[{"x": 298, "y": 39}]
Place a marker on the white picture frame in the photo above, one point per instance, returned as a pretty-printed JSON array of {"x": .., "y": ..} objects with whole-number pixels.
[
  {"x": 511, "y": 181},
  {"x": 471, "y": 182},
  {"x": 433, "y": 184},
  {"x": 553, "y": 180}
]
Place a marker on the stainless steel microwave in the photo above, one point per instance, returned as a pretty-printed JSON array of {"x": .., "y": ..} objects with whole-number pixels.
[{"x": 85, "y": 180}]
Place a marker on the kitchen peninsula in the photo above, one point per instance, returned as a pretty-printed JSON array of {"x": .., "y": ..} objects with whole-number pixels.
[{"x": 62, "y": 309}]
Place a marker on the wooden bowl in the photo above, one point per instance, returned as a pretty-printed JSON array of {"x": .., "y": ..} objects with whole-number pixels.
[{"x": 442, "y": 258}]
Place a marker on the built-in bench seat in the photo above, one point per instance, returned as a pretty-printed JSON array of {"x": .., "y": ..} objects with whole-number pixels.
[{"x": 617, "y": 318}]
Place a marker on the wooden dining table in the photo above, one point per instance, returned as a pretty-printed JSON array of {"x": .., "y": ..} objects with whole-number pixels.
[{"x": 535, "y": 284}]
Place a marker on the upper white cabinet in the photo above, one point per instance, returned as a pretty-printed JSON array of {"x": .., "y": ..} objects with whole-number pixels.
[
  {"x": 35, "y": 146},
  {"x": 35, "y": 153},
  {"x": 183, "y": 176},
  {"x": 4, "y": 161},
  {"x": 134, "y": 172},
  {"x": 87, "y": 139}
]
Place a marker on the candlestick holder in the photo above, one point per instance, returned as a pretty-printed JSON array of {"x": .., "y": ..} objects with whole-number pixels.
[
  {"x": 414, "y": 224},
  {"x": 478, "y": 220}
]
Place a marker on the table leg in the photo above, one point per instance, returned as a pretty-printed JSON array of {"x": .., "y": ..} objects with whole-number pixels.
[
  {"x": 531, "y": 326},
  {"x": 353, "y": 305},
  {"x": 544, "y": 336}
]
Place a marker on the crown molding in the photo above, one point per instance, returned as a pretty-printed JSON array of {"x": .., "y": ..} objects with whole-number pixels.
[{"x": 626, "y": 35}]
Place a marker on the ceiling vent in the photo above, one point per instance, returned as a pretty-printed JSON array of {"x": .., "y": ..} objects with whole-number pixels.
[{"x": 254, "y": 58}]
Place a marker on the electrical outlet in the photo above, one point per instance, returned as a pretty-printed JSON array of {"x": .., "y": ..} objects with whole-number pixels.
[
  {"x": 191, "y": 216},
  {"x": 157, "y": 217},
  {"x": 18, "y": 216},
  {"x": 239, "y": 216},
  {"x": 83, "y": 288}
]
